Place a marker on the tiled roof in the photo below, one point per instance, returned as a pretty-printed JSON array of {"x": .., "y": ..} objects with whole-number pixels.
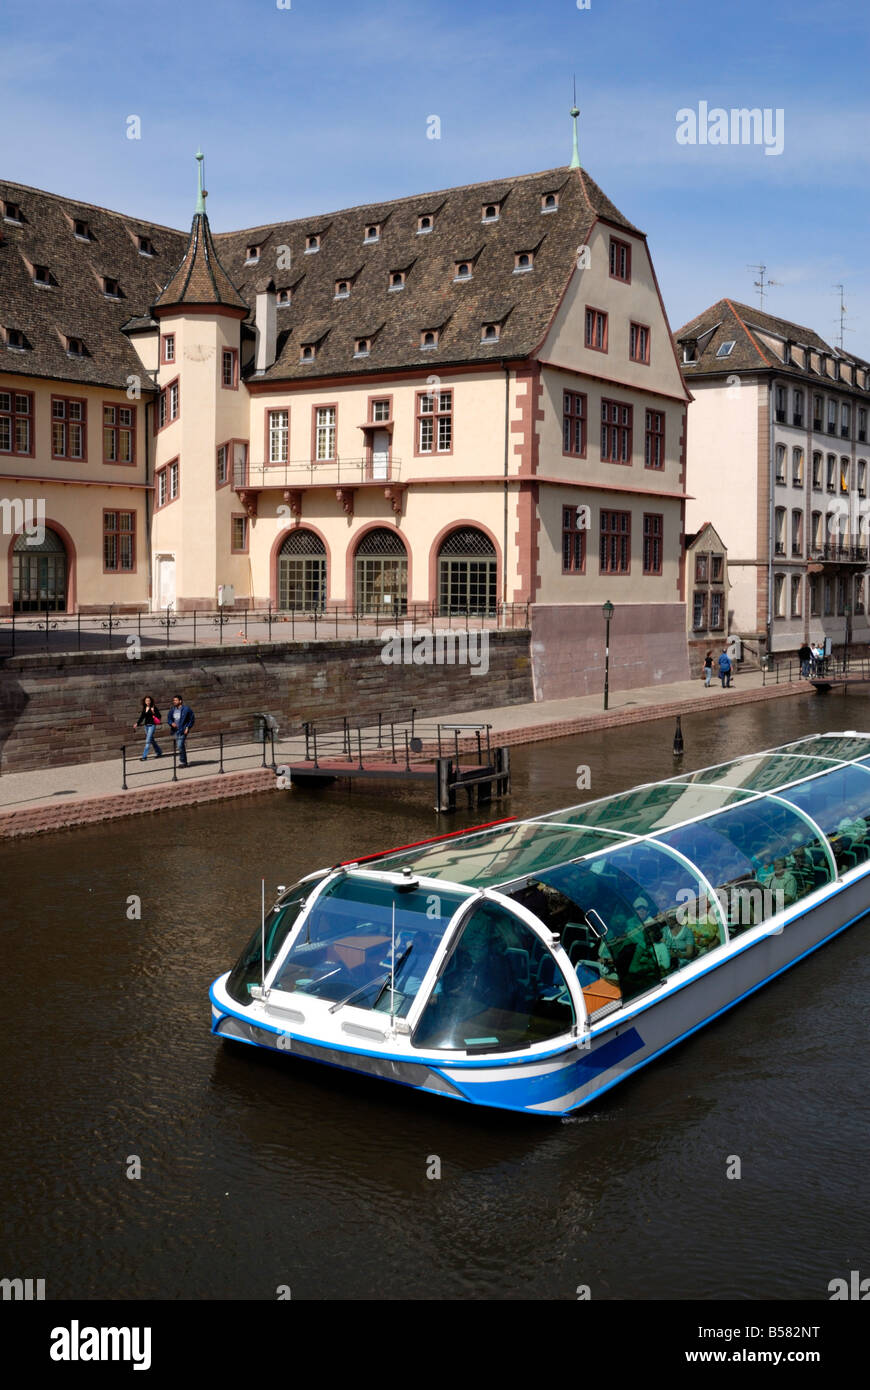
[
  {"x": 76, "y": 305},
  {"x": 200, "y": 279},
  {"x": 522, "y": 303},
  {"x": 759, "y": 345},
  {"x": 203, "y": 268}
]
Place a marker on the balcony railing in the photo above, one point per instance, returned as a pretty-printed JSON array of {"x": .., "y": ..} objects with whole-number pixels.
[
  {"x": 317, "y": 473},
  {"x": 833, "y": 550}
]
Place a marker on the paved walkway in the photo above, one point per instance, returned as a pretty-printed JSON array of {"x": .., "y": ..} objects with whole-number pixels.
[{"x": 53, "y": 798}]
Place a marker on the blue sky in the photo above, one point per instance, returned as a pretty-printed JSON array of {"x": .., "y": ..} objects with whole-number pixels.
[{"x": 325, "y": 105}]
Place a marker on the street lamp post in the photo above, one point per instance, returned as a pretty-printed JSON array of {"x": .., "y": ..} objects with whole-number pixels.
[
  {"x": 607, "y": 611},
  {"x": 848, "y": 636}
]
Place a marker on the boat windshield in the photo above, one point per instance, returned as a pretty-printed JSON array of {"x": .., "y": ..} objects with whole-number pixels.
[
  {"x": 345, "y": 949},
  {"x": 248, "y": 969}
]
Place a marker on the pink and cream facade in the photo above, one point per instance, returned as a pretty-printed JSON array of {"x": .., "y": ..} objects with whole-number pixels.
[{"x": 457, "y": 401}]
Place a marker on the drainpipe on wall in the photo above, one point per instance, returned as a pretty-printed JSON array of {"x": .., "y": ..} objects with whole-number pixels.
[
  {"x": 504, "y": 549},
  {"x": 771, "y": 508},
  {"x": 149, "y": 501}
]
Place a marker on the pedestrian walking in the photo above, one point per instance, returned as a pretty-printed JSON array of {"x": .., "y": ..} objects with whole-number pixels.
[
  {"x": 181, "y": 721},
  {"x": 725, "y": 669},
  {"x": 150, "y": 717},
  {"x": 708, "y": 668},
  {"x": 805, "y": 656}
]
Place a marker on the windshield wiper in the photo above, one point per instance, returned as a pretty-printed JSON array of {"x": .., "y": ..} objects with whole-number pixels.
[{"x": 361, "y": 989}]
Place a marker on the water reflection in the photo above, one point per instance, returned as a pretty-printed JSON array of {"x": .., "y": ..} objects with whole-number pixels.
[{"x": 260, "y": 1170}]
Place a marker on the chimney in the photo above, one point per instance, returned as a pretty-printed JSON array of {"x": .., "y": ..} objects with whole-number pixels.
[{"x": 266, "y": 323}]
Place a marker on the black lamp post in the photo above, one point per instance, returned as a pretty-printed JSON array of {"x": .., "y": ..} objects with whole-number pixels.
[
  {"x": 607, "y": 611},
  {"x": 848, "y": 636}
]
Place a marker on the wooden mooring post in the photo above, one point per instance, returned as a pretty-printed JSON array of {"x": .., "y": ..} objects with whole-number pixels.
[{"x": 494, "y": 779}]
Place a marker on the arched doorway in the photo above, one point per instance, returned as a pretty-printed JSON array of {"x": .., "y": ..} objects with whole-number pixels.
[
  {"x": 467, "y": 573},
  {"x": 40, "y": 574},
  {"x": 302, "y": 573},
  {"x": 381, "y": 573}
]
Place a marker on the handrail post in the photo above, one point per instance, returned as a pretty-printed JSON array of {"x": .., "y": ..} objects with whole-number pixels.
[
  {"x": 456, "y": 745},
  {"x": 272, "y": 739},
  {"x": 407, "y": 754},
  {"x": 246, "y": 638},
  {"x": 479, "y": 751},
  {"x": 307, "y": 729},
  {"x": 393, "y": 738},
  {"x": 194, "y": 627},
  {"x": 124, "y": 786},
  {"x": 380, "y": 723},
  {"x": 78, "y": 630},
  {"x": 264, "y": 743},
  {"x": 269, "y": 619},
  {"x": 315, "y": 744},
  {"x": 174, "y": 759},
  {"x": 359, "y": 747},
  {"x": 221, "y": 741}
]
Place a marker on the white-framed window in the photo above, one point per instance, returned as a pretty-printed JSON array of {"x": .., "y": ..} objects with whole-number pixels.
[
  {"x": 279, "y": 430},
  {"x": 324, "y": 432}
]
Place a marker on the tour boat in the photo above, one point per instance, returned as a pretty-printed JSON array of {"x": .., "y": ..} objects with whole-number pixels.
[{"x": 533, "y": 964}]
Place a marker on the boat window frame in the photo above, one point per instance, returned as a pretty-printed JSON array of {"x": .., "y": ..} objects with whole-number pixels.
[
  {"x": 395, "y": 879},
  {"x": 580, "y": 1028}
]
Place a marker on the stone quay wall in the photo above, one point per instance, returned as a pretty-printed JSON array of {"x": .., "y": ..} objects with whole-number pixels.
[{"x": 80, "y": 707}]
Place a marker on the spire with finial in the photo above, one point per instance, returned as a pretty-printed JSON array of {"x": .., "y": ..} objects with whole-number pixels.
[
  {"x": 575, "y": 112},
  {"x": 200, "y": 278},
  {"x": 201, "y": 194}
]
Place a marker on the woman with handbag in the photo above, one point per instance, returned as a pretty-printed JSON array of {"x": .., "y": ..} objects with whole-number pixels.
[{"x": 150, "y": 717}]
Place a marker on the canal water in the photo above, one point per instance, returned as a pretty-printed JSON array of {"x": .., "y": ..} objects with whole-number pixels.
[{"x": 259, "y": 1170}]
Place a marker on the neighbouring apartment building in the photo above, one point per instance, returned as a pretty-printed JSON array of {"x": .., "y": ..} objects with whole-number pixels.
[
  {"x": 778, "y": 459},
  {"x": 460, "y": 399}
]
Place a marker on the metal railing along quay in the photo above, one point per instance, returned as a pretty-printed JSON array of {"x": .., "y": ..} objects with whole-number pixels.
[
  {"x": 111, "y": 630},
  {"x": 225, "y": 746}
]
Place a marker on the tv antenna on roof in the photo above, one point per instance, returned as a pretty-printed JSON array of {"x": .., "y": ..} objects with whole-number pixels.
[
  {"x": 760, "y": 284},
  {"x": 842, "y": 319}
]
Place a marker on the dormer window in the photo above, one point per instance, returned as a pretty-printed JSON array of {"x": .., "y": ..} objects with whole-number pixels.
[
  {"x": 549, "y": 202},
  {"x": 362, "y": 347},
  {"x": 111, "y": 287},
  {"x": 252, "y": 254},
  {"x": 490, "y": 333},
  {"x": 42, "y": 276},
  {"x": 309, "y": 352},
  {"x": 15, "y": 340},
  {"x": 75, "y": 347},
  {"x": 284, "y": 298},
  {"x": 82, "y": 230},
  {"x": 490, "y": 212},
  {"x": 462, "y": 270},
  {"x": 429, "y": 338},
  {"x": 524, "y": 260},
  {"x": 342, "y": 289},
  {"x": 690, "y": 352},
  {"x": 146, "y": 246},
  {"x": 373, "y": 234},
  {"x": 425, "y": 224},
  {"x": 12, "y": 213},
  {"x": 312, "y": 243},
  {"x": 397, "y": 279}
]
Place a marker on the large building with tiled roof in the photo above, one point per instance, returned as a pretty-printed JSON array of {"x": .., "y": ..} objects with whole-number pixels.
[
  {"x": 778, "y": 456},
  {"x": 460, "y": 399}
]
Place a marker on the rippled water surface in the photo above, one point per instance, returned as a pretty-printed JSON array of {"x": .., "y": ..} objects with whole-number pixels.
[{"x": 259, "y": 1170}]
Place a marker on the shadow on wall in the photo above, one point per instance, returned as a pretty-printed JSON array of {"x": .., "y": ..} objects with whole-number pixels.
[
  {"x": 647, "y": 647},
  {"x": 13, "y": 702}
]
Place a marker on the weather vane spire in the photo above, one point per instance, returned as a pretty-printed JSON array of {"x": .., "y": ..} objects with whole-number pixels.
[
  {"x": 575, "y": 157},
  {"x": 201, "y": 193}
]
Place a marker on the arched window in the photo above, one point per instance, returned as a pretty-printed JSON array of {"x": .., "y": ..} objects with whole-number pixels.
[
  {"x": 381, "y": 573},
  {"x": 499, "y": 989},
  {"x": 39, "y": 574},
  {"x": 302, "y": 573},
  {"x": 467, "y": 573}
]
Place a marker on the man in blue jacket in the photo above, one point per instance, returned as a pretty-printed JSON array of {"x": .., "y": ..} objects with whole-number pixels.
[
  {"x": 181, "y": 719},
  {"x": 725, "y": 668}
]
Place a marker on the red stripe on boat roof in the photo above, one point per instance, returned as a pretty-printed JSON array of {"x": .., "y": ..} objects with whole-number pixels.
[{"x": 432, "y": 840}]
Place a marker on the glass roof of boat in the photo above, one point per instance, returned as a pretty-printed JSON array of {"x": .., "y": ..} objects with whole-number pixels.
[
  {"x": 821, "y": 773},
  {"x": 504, "y": 852}
]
